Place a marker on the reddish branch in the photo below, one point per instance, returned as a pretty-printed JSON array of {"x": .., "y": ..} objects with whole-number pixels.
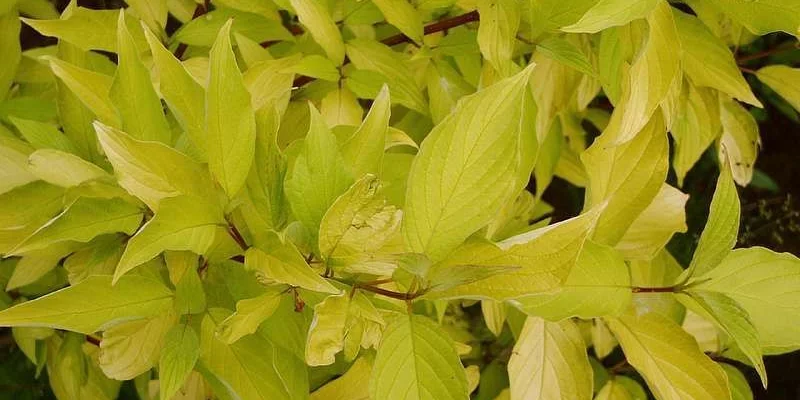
[
  {"x": 667, "y": 289},
  {"x": 766, "y": 53}
]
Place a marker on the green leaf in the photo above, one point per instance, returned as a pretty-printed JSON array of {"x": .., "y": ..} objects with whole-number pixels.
[
  {"x": 363, "y": 151},
  {"x": 82, "y": 221},
  {"x": 731, "y": 319},
  {"x": 654, "y": 227},
  {"x": 72, "y": 28},
  {"x": 14, "y": 164},
  {"x": 348, "y": 386},
  {"x": 340, "y": 107},
  {"x": 651, "y": 77},
  {"x": 190, "y": 297},
  {"x": 179, "y": 354},
  {"x": 566, "y": 53},
  {"x": 132, "y": 348},
  {"x": 605, "y": 14},
  {"x": 251, "y": 368},
  {"x": 92, "y": 305},
  {"x": 315, "y": 66},
  {"x": 250, "y": 313},
  {"x": 153, "y": 13},
  {"x": 497, "y": 33},
  {"x": 63, "y": 169},
  {"x": 318, "y": 177},
  {"x": 764, "y": 283},
  {"x": 708, "y": 61},
  {"x": 695, "y": 126},
  {"x": 628, "y": 177},
  {"x": 203, "y": 31},
  {"x": 598, "y": 285},
  {"x": 374, "y": 56},
  {"x": 740, "y": 388},
  {"x": 90, "y": 87},
  {"x": 784, "y": 81},
  {"x": 269, "y": 82},
  {"x": 133, "y": 94},
  {"x": 403, "y": 16},
  {"x": 152, "y": 171},
  {"x": 417, "y": 360},
  {"x": 265, "y": 181},
  {"x": 740, "y": 140},
  {"x": 545, "y": 256},
  {"x": 668, "y": 358},
  {"x": 281, "y": 262},
  {"x": 42, "y": 135},
  {"x": 184, "y": 96},
  {"x": 35, "y": 264},
  {"x": 721, "y": 230},
  {"x": 230, "y": 120},
  {"x": 326, "y": 335},
  {"x": 181, "y": 223},
  {"x": 10, "y": 48},
  {"x": 549, "y": 15},
  {"x": 465, "y": 170},
  {"x": 317, "y": 20},
  {"x": 549, "y": 362},
  {"x": 31, "y": 204},
  {"x": 358, "y": 223},
  {"x": 763, "y": 16}
]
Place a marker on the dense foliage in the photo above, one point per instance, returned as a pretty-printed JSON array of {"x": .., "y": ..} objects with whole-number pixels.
[{"x": 343, "y": 199}]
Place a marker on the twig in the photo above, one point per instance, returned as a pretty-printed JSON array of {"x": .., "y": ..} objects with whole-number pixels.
[
  {"x": 237, "y": 236},
  {"x": 767, "y": 53},
  {"x": 639, "y": 289}
]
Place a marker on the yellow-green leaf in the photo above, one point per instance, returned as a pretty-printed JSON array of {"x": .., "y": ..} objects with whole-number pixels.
[
  {"x": 363, "y": 151},
  {"x": 497, "y": 33},
  {"x": 179, "y": 354},
  {"x": 403, "y": 16},
  {"x": 314, "y": 15},
  {"x": 605, "y": 14},
  {"x": 740, "y": 140},
  {"x": 668, "y": 358},
  {"x": 783, "y": 80},
  {"x": 90, "y": 87},
  {"x": 549, "y": 362},
  {"x": 280, "y": 262},
  {"x": 230, "y": 120},
  {"x": 654, "y": 227},
  {"x": 250, "y": 313},
  {"x": 92, "y": 305},
  {"x": 132, "y": 348}
]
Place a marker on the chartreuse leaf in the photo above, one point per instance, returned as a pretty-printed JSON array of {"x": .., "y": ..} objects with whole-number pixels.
[
  {"x": 549, "y": 15},
  {"x": 549, "y": 362},
  {"x": 340, "y": 107},
  {"x": 63, "y": 169},
  {"x": 315, "y": 66},
  {"x": 14, "y": 164},
  {"x": 316, "y": 18},
  {"x": 349, "y": 386},
  {"x": 99, "y": 258},
  {"x": 722, "y": 227},
  {"x": 230, "y": 120},
  {"x": 43, "y": 135},
  {"x": 783, "y": 80},
  {"x": 627, "y": 176},
  {"x": 178, "y": 356},
  {"x": 326, "y": 335},
  {"x": 10, "y": 48},
  {"x": 133, "y": 94},
  {"x": 764, "y": 283},
  {"x": 764, "y": 16},
  {"x": 35, "y": 264},
  {"x": 72, "y": 28},
  {"x": 184, "y": 96},
  {"x": 92, "y": 305},
  {"x": 91, "y": 88},
  {"x": 654, "y": 227},
  {"x": 598, "y": 285},
  {"x": 544, "y": 256},
  {"x": 417, "y": 360},
  {"x": 280, "y": 262},
  {"x": 181, "y": 223},
  {"x": 708, "y": 61},
  {"x": 566, "y": 53},
  {"x": 269, "y": 82},
  {"x": 247, "y": 369},
  {"x": 651, "y": 76},
  {"x": 319, "y": 175},
  {"x": 668, "y": 358},
  {"x": 82, "y": 221},
  {"x": 403, "y": 16},
  {"x": 497, "y": 33},
  {"x": 740, "y": 388},
  {"x": 203, "y": 31},
  {"x": 190, "y": 297},
  {"x": 153, "y": 13},
  {"x": 359, "y": 222},
  {"x": 370, "y": 55},
  {"x": 608, "y": 13},
  {"x": 695, "y": 126},
  {"x": 621, "y": 388},
  {"x": 250, "y": 313},
  {"x": 132, "y": 348},
  {"x": 731, "y": 319},
  {"x": 466, "y": 169},
  {"x": 152, "y": 171},
  {"x": 740, "y": 140},
  {"x": 33, "y": 203},
  {"x": 363, "y": 151}
]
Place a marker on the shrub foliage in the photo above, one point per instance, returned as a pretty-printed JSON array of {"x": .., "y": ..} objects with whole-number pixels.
[{"x": 330, "y": 199}]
